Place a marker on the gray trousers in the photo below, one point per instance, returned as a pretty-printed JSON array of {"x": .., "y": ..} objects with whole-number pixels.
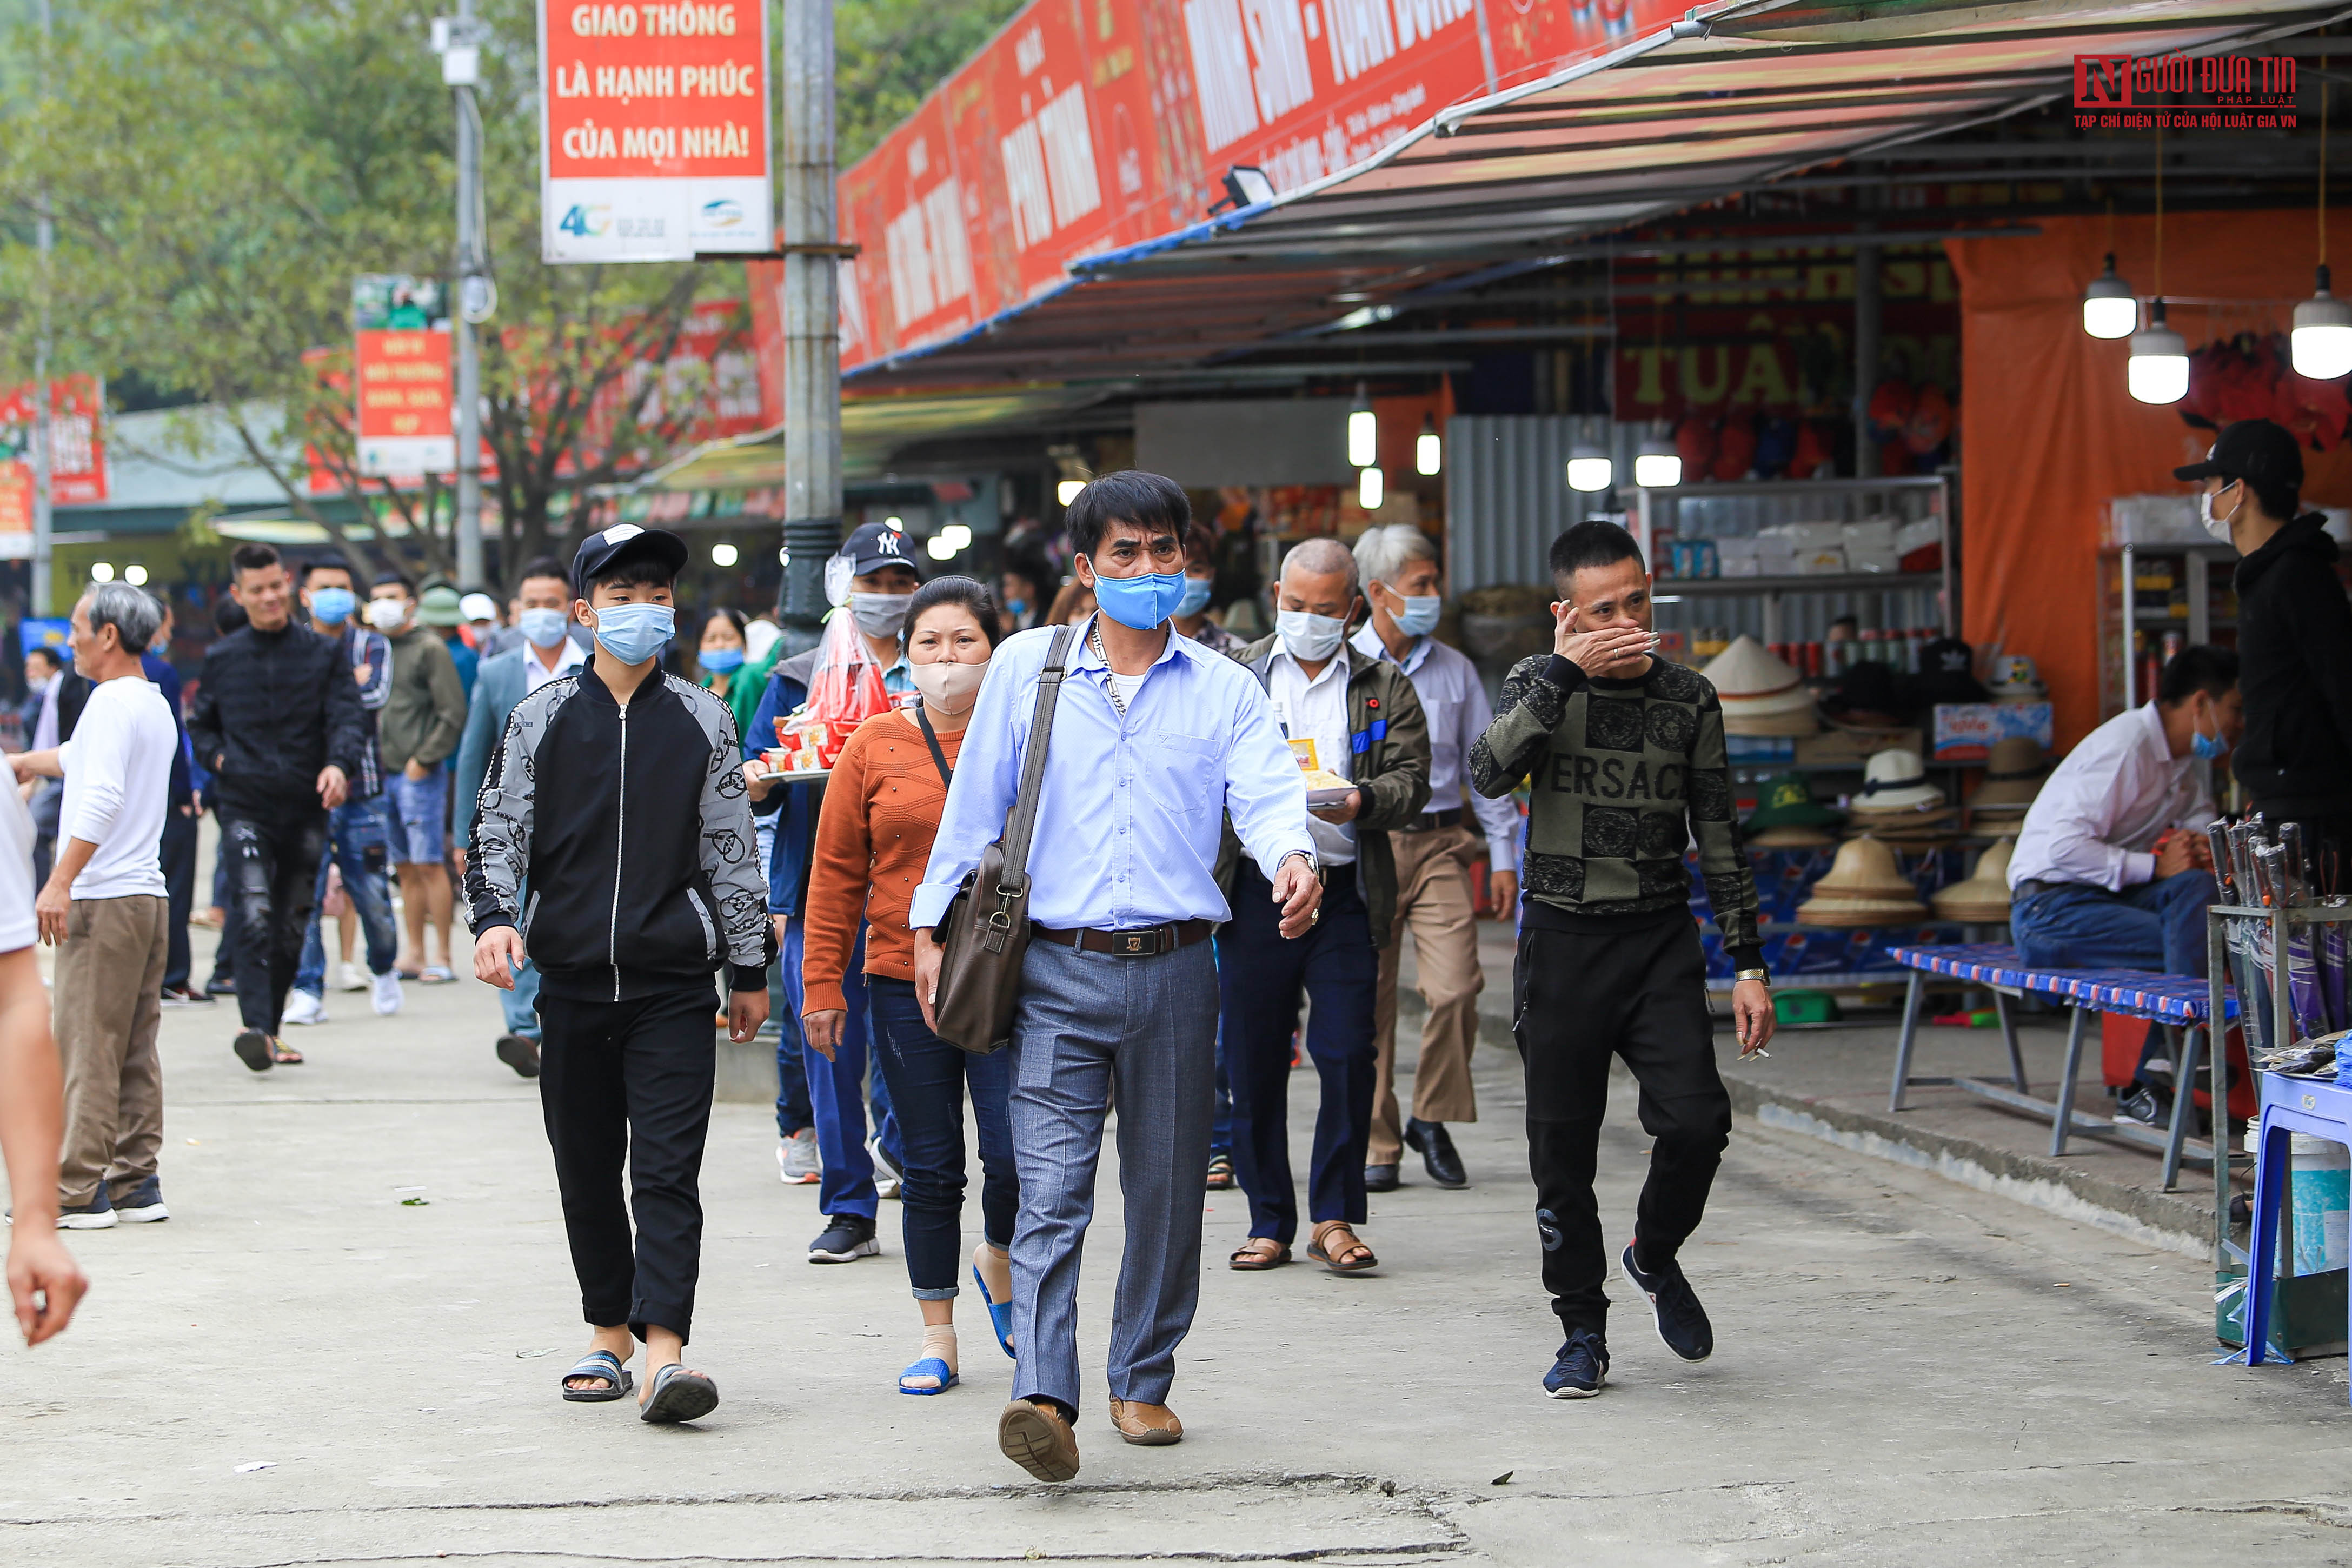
[{"x": 1090, "y": 1022}]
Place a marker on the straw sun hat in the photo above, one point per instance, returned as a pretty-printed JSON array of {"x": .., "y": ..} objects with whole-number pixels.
[
  {"x": 1761, "y": 694},
  {"x": 1895, "y": 780},
  {"x": 1863, "y": 887},
  {"x": 2013, "y": 776},
  {"x": 1984, "y": 898}
]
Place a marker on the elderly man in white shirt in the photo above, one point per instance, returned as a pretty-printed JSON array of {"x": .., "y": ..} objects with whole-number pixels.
[
  {"x": 2111, "y": 868},
  {"x": 1401, "y": 583}
]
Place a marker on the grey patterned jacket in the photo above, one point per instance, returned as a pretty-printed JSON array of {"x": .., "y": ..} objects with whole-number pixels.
[{"x": 631, "y": 830}]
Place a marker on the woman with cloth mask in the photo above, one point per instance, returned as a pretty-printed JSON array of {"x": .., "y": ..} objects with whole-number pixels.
[{"x": 873, "y": 836}]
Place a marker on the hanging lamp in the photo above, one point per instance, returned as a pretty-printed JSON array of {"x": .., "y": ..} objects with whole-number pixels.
[
  {"x": 1363, "y": 431},
  {"x": 2109, "y": 309},
  {"x": 2158, "y": 370},
  {"x": 2321, "y": 344}
]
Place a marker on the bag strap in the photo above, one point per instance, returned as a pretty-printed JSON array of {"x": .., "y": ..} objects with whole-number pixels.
[
  {"x": 1023, "y": 822},
  {"x": 931, "y": 738}
]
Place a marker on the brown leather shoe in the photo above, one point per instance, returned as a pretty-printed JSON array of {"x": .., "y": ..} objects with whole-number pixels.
[
  {"x": 1147, "y": 1426},
  {"x": 1035, "y": 1437}
]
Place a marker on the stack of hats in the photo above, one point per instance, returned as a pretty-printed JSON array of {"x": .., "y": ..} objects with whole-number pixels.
[
  {"x": 1863, "y": 887},
  {"x": 1869, "y": 696},
  {"x": 1947, "y": 674},
  {"x": 1791, "y": 818},
  {"x": 1761, "y": 694},
  {"x": 1899, "y": 804},
  {"x": 2015, "y": 679},
  {"x": 2014, "y": 776},
  {"x": 1984, "y": 898}
]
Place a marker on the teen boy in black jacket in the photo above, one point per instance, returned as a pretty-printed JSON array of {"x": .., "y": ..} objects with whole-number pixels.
[{"x": 618, "y": 796}]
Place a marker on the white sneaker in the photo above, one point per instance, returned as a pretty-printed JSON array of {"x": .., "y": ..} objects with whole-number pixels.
[
  {"x": 302, "y": 1008},
  {"x": 796, "y": 1159},
  {"x": 354, "y": 978},
  {"x": 386, "y": 988},
  {"x": 886, "y": 1176}
]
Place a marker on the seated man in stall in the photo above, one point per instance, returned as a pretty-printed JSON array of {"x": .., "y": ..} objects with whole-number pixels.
[{"x": 2112, "y": 869}]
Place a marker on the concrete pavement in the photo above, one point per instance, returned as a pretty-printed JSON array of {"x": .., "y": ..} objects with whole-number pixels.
[{"x": 345, "y": 1347}]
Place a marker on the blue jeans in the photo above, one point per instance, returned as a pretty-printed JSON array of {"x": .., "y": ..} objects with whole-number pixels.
[
  {"x": 836, "y": 1090},
  {"x": 2158, "y": 925},
  {"x": 1262, "y": 977},
  {"x": 927, "y": 1077},
  {"x": 355, "y": 845}
]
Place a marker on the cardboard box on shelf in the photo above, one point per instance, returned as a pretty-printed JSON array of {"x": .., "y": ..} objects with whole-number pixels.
[
  {"x": 1964, "y": 732},
  {"x": 1870, "y": 545}
]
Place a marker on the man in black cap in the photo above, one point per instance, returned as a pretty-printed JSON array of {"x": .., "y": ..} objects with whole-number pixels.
[
  {"x": 618, "y": 793},
  {"x": 2295, "y": 633},
  {"x": 872, "y": 576}
]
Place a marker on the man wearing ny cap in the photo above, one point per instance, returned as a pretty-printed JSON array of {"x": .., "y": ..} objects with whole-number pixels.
[
  {"x": 820, "y": 1103},
  {"x": 2295, "y": 633},
  {"x": 618, "y": 794}
]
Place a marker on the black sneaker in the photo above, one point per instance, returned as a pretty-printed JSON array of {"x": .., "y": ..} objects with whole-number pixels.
[
  {"x": 848, "y": 1237},
  {"x": 253, "y": 1048},
  {"x": 180, "y": 996},
  {"x": 1436, "y": 1147},
  {"x": 1674, "y": 1306},
  {"x": 520, "y": 1052},
  {"x": 144, "y": 1206},
  {"x": 1580, "y": 1369},
  {"x": 2146, "y": 1104}
]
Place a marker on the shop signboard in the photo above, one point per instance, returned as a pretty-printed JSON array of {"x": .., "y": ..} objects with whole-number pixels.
[
  {"x": 400, "y": 368},
  {"x": 653, "y": 137},
  {"x": 76, "y": 455},
  {"x": 1083, "y": 127}
]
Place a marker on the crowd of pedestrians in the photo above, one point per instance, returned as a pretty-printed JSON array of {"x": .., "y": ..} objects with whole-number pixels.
[{"x": 1227, "y": 833}]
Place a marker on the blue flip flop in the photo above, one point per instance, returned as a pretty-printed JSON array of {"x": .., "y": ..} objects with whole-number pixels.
[
  {"x": 929, "y": 1366},
  {"x": 999, "y": 1313},
  {"x": 603, "y": 1365},
  {"x": 679, "y": 1396}
]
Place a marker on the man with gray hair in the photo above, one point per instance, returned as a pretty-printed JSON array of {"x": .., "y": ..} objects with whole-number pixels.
[
  {"x": 1403, "y": 585},
  {"x": 1356, "y": 728},
  {"x": 106, "y": 909}
]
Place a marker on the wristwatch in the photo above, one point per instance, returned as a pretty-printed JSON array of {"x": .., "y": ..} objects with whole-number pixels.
[{"x": 1761, "y": 976}]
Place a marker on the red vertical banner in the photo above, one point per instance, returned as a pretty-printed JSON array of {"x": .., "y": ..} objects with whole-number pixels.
[
  {"x": 77, "y": 448},
  {"x": 404, "y": 403}
]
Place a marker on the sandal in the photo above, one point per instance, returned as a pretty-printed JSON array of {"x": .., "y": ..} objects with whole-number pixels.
[
  {"x": 285, "y": 1055},
  {"x": 437, "y": 975},
  {"x": 598, "y": 1364},
  {"x": 1221, "y": 1173},
  {"x": 1350, "y": 1257},
  {"x": 1257, "y": 1254},
  {"x": 999, "y": 1313},
  {"x": 932, "y": 1367},
  {"x": 679, "y": 1396}
]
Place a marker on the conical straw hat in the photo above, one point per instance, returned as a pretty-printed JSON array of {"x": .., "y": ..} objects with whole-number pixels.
[
  {"x": 1984, "y": 897},
  {"x": 1859, "y": 912},
  {"x": 1864, "y": 869},
  {"x": 1747, "y": 669}
]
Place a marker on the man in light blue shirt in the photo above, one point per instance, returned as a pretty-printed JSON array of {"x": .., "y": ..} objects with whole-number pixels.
[{"x": 1156, "y": 739}]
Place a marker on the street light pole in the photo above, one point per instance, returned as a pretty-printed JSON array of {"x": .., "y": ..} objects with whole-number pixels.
[
  {"x": 460, "y": 67},
  {"x": 44, "y": 524},
  {"x": 811, "y": 312}
]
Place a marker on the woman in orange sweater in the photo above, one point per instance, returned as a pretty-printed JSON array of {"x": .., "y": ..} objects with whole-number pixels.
[{"x": 873, "y": 838}]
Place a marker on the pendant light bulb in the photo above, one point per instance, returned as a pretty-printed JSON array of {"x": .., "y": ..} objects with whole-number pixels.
[
  {"x": 1589, "y": 469},
  {"x": 1370, "y": 486},
  {"x": 1657, "y": 466},
  {"x": 1363, "y": 432},
  {"x": 1428, "y": 448},
  {"x": 2322, "y": 335},
  {"x": 2109, "y": 310},
  {"x": 2159, "y": 372}
]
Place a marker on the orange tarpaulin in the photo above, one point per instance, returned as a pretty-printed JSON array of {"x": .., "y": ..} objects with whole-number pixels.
[{"x": 2050, "y": 435}]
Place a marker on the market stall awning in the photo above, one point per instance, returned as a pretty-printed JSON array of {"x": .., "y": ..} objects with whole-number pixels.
[{"x": 1724, "y": 100}]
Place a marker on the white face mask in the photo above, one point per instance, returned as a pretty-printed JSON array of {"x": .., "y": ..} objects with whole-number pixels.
[
  {"x": 949, "y": 688},
  {"x": 1308, "y": 636},
  {"x": 385, "y": 614},
  {"x": 2218, "y": 526}
]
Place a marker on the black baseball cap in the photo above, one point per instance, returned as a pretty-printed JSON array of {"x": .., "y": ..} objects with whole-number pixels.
[
  {"x": 871, "y": 546},
  {"x": 2254, "y": 449},
  {"x": 600, "y": 552}
]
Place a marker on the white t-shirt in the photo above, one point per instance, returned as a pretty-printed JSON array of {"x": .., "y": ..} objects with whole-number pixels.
[
  {"x": 118, "y": 779},
  {"x": 16, "y": 925}
]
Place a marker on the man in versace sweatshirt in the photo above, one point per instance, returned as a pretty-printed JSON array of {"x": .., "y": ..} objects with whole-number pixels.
[{"x": 1623, "y": 756}]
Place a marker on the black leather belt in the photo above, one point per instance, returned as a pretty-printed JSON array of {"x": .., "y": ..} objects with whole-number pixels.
[
  {"x": 1137, "y": 942},
  {"x": 1434, "y": 821},
  {"x": 2031, "y": 885}
]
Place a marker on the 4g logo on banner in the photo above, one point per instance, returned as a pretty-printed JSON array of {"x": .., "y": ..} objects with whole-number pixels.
[{"x": 654, "y": 139}]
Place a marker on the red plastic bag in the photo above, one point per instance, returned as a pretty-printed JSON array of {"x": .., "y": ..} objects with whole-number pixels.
[{"x": 845, "y": 687}]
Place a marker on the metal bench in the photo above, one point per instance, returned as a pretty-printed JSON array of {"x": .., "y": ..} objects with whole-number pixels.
[{"x": 2178, "y": 1002}]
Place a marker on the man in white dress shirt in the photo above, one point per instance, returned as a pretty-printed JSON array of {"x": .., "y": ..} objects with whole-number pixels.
[
  {"x": 1434, "y": 854},
  {"x": 2112, "y": 869}
]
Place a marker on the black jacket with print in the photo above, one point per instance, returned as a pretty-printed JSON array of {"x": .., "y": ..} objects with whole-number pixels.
[{"x": 630, "y": 828}]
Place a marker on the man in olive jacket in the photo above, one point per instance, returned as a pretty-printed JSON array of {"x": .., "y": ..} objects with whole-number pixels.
[
  {"x": 417, "y": 730},
  {"x": 1347, "y": 714}
]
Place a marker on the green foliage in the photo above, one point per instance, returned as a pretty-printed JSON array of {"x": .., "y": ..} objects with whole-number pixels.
[{"x": 888, "y": 54}]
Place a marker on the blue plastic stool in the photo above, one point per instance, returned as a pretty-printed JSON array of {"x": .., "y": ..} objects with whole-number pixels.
[{"x": 2290, "y": 1105}]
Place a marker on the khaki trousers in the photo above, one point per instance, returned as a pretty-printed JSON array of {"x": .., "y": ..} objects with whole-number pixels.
[
  {"x": 1434, "y": 903},
  {"x": 106, "y": 1008}
]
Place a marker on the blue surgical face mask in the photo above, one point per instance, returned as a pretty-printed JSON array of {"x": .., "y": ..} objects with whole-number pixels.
[
  {"x": 719, "y": 660},
  {"x": 1016, "y": 608},
  {"x": 1419, "y": 617},
  {"x": 2209, "y": 747},
  {"x": 1196, "y": 596},
  {"x": 1140, "y": 603},
  {"x": 332, "y": 607},
  {"x": 1308, "y": 636},
  {"x": 633, "y": 633},
  {"x": 542, "y": 627}
]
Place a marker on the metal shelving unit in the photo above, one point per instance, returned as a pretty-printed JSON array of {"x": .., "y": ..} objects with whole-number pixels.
[{"x": 2198, "y": 571}]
